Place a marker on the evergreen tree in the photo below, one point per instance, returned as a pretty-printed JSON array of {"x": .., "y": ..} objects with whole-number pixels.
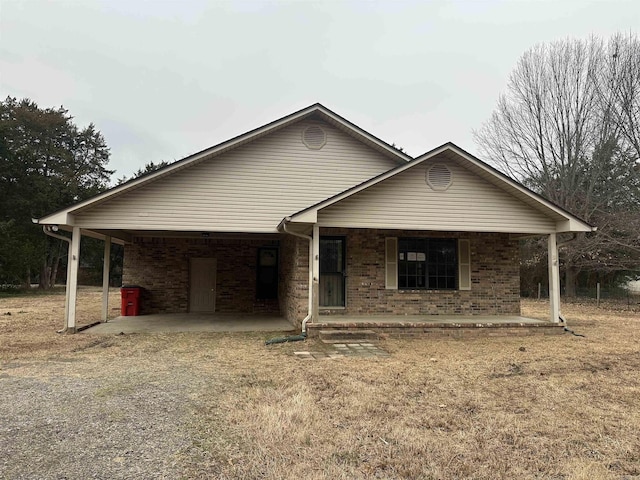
[{"x": 46, "y": 163}]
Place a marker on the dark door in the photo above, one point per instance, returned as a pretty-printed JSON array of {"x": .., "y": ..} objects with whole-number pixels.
[
  {"x": 267, "y": 273},
  {"x": 332, "y": 272}
]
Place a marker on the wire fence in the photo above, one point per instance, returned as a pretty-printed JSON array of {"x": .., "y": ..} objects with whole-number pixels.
[{"x": 618, "y": 296}]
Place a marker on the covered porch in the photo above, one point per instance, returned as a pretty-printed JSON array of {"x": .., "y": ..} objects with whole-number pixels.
[
  {"x": 154, "y": 253},
  {"x": 190, "y": 281}
]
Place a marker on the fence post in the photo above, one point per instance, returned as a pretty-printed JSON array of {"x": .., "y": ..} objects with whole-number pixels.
[
  {"x": 598, "y": 294},
  {"x": 539, "y": 290}
]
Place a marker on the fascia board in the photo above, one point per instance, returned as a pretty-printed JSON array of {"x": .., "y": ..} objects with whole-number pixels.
[
  {"x": 307, "y": 217},
  {"x": 571, "y": 225},
  {"x": 58, "y": 218}
]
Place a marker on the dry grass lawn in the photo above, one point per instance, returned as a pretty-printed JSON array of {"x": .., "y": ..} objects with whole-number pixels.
[{"x": 558, "y": 407}]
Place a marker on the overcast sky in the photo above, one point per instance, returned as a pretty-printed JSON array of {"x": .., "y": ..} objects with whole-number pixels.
[{"x": 164, "y": 79}]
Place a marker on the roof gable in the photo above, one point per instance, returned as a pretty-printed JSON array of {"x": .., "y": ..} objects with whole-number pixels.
[
  {"x": 247, "y": 189},
  {"x": 314, "y": 112},
  {"x": 480, "y": 199}
]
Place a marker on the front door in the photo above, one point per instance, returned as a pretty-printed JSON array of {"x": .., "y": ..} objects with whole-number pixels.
[
  {"x": 332, "y": 272},
  {"x": 267, "y": 273},
  {"x": 202, "y": 295}
]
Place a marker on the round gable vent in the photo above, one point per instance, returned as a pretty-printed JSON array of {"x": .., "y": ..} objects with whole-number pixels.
[
  {"x": 314, "y": 137},
  {"x": 439, "y": 177}
]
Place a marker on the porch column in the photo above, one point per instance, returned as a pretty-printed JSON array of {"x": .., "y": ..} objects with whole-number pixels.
[
  {"x": 315, "y": 288},
  {"x": 72, "y": 279},
  {"x": 554, "y": 279},
  {"x": 105, "y": 278}
]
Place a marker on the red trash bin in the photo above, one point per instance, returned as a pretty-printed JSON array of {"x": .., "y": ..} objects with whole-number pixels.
[{"x": 130, "y": 300}]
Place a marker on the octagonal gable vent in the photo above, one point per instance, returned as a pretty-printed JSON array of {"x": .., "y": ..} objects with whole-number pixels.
[
  {"x": 314, "y": 137},
  {"x": 439, "y": 177}
]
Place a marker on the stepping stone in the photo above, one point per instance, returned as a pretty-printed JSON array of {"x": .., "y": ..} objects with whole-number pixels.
[{"x": 342, "y": 351}]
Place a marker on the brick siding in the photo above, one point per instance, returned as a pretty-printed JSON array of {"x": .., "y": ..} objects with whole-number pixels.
[
  {"x": 495, "y": 277},
  {"x": 161, "y": 267},
  {"x": 294, "y": 279}
]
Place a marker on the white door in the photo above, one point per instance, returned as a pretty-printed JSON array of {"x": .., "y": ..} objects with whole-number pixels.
[{"x": 202, "y": 296}]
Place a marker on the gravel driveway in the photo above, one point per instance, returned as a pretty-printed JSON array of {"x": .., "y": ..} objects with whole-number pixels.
[{"x": 85, "y": 420}]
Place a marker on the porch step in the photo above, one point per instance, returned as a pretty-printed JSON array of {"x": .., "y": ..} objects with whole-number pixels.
[
  {"x": 352, "y": 332},
  {"x": 348, "y": 336}
]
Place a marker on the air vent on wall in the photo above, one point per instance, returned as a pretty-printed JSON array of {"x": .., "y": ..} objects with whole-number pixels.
[
  {"x": 314, "y": 137},
  {"x": 439, "y": 177}
]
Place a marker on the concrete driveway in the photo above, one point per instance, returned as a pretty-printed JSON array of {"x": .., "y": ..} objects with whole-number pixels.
[{"x": 192, "y": 322}]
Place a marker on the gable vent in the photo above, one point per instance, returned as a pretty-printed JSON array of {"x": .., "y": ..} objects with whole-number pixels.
[
  {"x": 439, "y": 177},
  {"x": 314, "y": 137}
]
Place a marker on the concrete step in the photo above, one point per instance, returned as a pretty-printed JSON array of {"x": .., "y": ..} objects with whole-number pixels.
[{"x": 348, "y": 336}]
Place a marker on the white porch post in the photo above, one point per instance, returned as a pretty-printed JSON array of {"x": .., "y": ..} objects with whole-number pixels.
[
  {"x": 316, "y": 273},
  {"x": 554, "y": 279},
  {"x": 72, "y": 279},
  {"x": 67, "y": 290},
  {"x": 311, "y": 303},
  {"x": 105, "y": 278}
]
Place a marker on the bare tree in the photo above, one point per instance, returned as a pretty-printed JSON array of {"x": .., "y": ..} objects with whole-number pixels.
[
  {"x": 567, "y": 127},
  {"x": 622, "y": 68}
]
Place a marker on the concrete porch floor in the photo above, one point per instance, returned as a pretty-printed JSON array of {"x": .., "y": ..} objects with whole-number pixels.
[{"x": 192, "y": 322}]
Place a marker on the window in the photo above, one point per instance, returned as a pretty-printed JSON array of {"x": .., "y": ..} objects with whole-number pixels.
[
  {"x": 427, "y": 263},
  {"x": 267, "y": 273}
]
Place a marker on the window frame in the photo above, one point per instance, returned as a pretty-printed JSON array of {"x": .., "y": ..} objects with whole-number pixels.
[{"x": 436, "y": 275}]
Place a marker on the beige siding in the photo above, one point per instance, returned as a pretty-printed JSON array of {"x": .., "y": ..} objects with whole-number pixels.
[
  {"x": 405, "y": 201},
  {"x": 250, "y": 189}
]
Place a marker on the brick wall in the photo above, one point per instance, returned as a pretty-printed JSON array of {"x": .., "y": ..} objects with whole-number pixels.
[
  {"x": 161, "y": 266},
  {"x": 495, "y": 277},
  {"x": 294, "y": 278}
]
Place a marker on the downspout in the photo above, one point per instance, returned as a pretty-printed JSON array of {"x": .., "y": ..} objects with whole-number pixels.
[
  {"x": 49, "y": 230},
  {"x": 303, "y": 336},
  {"x": 310, "y": 240},
  {"x": 562, "y": 319}
]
